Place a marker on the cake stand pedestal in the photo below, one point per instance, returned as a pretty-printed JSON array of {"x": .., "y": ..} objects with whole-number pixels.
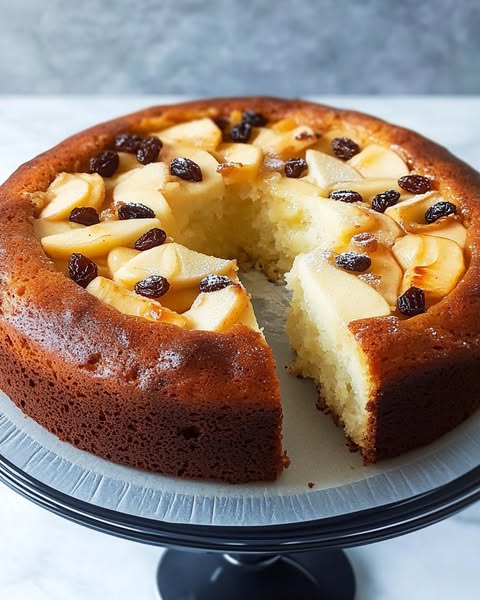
[{"x": 293, "y": 560}]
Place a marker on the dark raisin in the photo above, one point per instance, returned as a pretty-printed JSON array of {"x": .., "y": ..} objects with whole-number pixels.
[
  {"x": 294, "y": 167},
  {"x": 344, "y": 148},
  {"x": 382, "y": 201},
  {"x": 151, "y": 239},
  {"x": 84, "y": 215},
  {"x": 135, "y": 210},
  {"x": 105, "y": 164},
  {"x": 304, "y": 135},
  {"x": 213, "y": 283},
  {"x": 127, "y": 142},
  {"x": 241, "y": 132},
  {"x": 415, "y": 184},
  {"x": 81, "y": 269},
  {"x": 352, "y": 261},
  {"x": 221, "y": 122},
  {"x": 149, "y": 150},
  {"x": 346, "y": 196},
  {"x": 253, "y": 118},
  {"x": 439, "y": 210},
  {"x": 152, "y": 287},
  {"x": 185, "y": 169},
  {"x": 412, "y": 302}
]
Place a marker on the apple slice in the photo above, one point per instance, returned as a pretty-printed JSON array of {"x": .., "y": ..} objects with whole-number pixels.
[
  {"x": 184, "y": 196},
  {"x": 180, "y": 300},
  {"x": 284, "y": 144},
  {"x": 69, "y": 191},
  {"x": 143, "y": 186},
  {"x": 221, "y": 310},
  {"x": 368, "y": 188},
  {"x": 377, "y": 161},
  {"x": 99, "y": 239},
  {"x": 325, "y": 171},
  {"x": 434, "y": 264},
  {"x": 118, "y": 257},
  {"x": 384, "y": 274},
  {"x": 334, "y": 296},
  {"x": 43, "y": 227},
  {"x": 201, "y": 133},
  {"x": 161, "y": 260},
  {"x": 410, "y": 214},
  {"x": 194, "y": 266},
  {"x": 239, "y": 162},
  {"x": 130, "y": 303}
]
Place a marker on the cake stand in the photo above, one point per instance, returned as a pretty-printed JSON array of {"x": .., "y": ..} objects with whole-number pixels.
[{"x": 258, "y": 541}]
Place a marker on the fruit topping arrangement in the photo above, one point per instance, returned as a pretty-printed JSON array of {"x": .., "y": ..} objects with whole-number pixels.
[{"x": 363, "y": 216}]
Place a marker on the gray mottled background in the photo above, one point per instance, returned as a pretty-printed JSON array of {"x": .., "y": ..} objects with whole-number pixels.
[{"x": 282, "y": 47}]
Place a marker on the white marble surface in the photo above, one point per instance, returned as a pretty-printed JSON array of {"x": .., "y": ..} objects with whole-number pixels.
[{"x": 45, "y": 557}]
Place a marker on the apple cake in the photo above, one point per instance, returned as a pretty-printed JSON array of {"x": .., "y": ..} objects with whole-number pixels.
[{"x": 126, "y": 331}]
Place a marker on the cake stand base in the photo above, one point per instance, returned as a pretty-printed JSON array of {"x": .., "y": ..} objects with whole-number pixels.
[{"x": 325, "y": 575}]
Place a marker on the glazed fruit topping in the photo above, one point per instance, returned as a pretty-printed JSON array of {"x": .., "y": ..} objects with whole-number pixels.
[
  {"x": 253, "y": 118},
  {"x": 439, "y": 210},
  {"x": 149, "y": 150},
  {"x": 213, "y": 283},
  {"x": 412, "y": 302},
  {"x": 346, "y": 196},
  {"x": 185, "y": 169},
  {"x": 81, "y": 269},
  {"x": 105, "y": 164},
  {"x": 415, "y": 184},
  {"x": 151, "y": 239},
  {"x": 352, "y": 261},
  {"x": 294, "y": 167},
  {"x": 127, "y": 142},
  {"x": 135, "y": 210},
  {"x": 241, "y": 132},
  {"x": 382, "y": 201},
  {"x": 84, "y": 215},
  {"x": 152, "y": 287},
  {"x": 345, "y": 148}
]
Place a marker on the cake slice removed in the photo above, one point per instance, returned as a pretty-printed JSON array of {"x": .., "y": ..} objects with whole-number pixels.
[{"x": 324, "y": 300}]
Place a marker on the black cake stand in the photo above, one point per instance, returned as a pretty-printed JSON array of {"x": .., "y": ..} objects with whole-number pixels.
[{"x": 302, "y": 559}]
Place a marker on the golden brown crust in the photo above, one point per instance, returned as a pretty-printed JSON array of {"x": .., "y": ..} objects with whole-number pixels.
[{"x": 201, "y": 404}]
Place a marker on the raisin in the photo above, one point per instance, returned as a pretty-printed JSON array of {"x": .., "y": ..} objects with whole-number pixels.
[
  {"x": 221, "y": 122},
  {"x": 253, "y": 118},
  {"x": 304, "y": 135},
  {"x": 439, "y": 210},
  {"x": 81, "y": 269},
  {"x": 127, "y": 142},
  {"x": 412, "y": 302},
  {"x": 135, "y": 210},
  {"x": 105, "y": 164},
  {"x": 382, "y": 201},
  {"x": 294, "y": 167},
  {"x": 344, "y": 148},
  {"x": 149, "y": 150},
  {"x": 84, "y": 215},
  {"x": 352, "y": 261},
  {"x": 152, "y": 287},
  {"x": 213, "y": 283},
  {"x": 415, "y": 184},
  {"x": 185, "y": 169},
  {"x": 241, "y": 132},
  {"x": 345, "y": 196},
  {"x": 151, "y": 239}
]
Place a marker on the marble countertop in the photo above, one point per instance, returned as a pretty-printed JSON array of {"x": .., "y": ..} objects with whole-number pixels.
[{"x": 45, "y": 557}]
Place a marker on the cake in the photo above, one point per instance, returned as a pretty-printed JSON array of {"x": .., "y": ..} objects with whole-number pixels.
[{"x": 126, "y": 331}]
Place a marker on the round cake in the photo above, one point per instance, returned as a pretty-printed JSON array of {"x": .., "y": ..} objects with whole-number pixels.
[{"x": 126, "y": 331}]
